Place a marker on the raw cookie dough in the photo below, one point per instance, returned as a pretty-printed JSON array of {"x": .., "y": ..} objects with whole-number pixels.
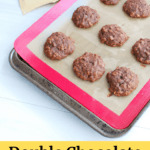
[
  {"x": 137, "y": 8},
  {"x": 141, "y": 50},
  {"x": 58, "y": 46},
  {"x": 89, "y": 67},
  {"x": 112, "y": 35},
  {"x": 85, "y": 17},
  {"x": 122, "y": 81},
  {"x": 110, "y": 2}
]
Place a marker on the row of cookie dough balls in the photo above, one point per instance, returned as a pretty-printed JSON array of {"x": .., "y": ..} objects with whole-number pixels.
[
  {"x": 89, "y": 66},
  {"x": 86, "y": 17},
  {"x": 134, "y": 8}
]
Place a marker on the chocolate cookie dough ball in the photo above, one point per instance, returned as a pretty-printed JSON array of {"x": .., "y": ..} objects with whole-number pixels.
[
  {"x": 112, "y": 35},
  {"x": 137, "y": 8},
  {"x": 58, "y": 46},
  {"x": 85, "y": 17},
  {"x": 89, "y": 67},
  {"x": 122, "y": 81},
  {"x": 110, "y": 2},
  {"x": 141, "y": 50}
]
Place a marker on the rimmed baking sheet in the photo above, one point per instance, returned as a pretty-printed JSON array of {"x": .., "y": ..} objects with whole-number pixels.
[{"x": 87, "y": 40}]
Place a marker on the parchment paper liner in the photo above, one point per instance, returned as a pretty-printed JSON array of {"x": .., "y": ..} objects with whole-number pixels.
[{"x": 29, "y": 5}]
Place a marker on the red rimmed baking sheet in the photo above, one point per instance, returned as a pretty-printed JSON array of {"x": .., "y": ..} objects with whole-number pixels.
[{"x": 116, "y": 121}]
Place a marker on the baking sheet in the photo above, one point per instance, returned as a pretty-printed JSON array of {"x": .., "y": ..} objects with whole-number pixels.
[
  {"x": 29, "y": 5},
  {"x": 86, "y": 40}
]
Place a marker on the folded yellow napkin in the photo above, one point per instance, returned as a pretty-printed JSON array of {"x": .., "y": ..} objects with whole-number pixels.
[{"x": 29, "y": 5}]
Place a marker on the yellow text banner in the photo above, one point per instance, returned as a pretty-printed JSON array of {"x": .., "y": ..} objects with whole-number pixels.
[{"x": 75, "y": 145}]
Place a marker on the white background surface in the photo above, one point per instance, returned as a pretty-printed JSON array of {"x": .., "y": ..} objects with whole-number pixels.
[{"x": 27, "y": 113}]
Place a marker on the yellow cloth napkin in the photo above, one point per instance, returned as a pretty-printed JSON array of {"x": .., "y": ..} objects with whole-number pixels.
[{"x": 29, "y": 5}]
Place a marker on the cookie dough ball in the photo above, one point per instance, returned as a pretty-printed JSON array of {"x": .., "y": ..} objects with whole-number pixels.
[
  {"x": 58, "y": 46},
  {"x": 137, "y": 8},
  {"x": 110, "y": 2},
  {"x": 85, "y": 17},
  {"x": 122, "y": 81},
  {"x": 112, "y": 35},
  {"x": 141, "y": 50},
  {"x": 89, "y": 67}
]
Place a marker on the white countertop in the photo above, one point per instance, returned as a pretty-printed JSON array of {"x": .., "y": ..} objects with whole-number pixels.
[{"x": 27, "y": 113}]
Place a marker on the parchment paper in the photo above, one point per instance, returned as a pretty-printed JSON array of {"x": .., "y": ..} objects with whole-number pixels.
[
  {"x": 86, "y": 40},
  {"x": 29, "y": 5}
]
